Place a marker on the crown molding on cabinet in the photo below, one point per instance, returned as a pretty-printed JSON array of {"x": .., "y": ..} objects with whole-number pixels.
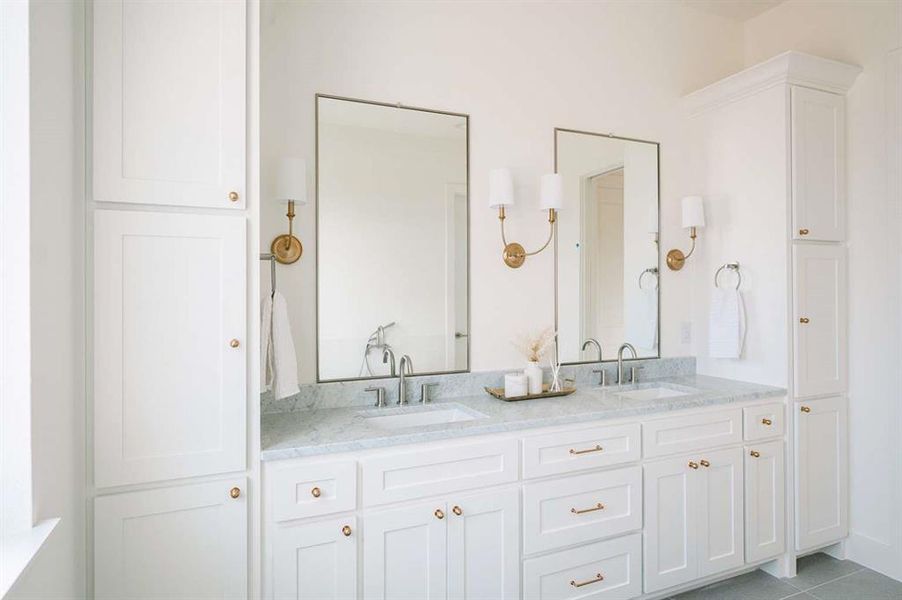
[{"x": 792, "y": 68}]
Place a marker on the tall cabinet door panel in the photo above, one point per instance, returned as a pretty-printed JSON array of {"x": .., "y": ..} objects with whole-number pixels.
[
  {"x": 169, "y": 346},
  {"x": 818, "y": 160},
  {"x": 169, "y": 103},
  {"x": 405, "y": 553},
  {"x": 765, "y": 508},
  {"x": 188, "y": 541},
  {"x": 315, "y": 561},
  {"x": 720, "y": 530},
  {"x": 819, "y": 322},
  {"x": 484, "y": 546},
  {"x": 822, "y": 514},
  {"x": 671, "y": 520}
]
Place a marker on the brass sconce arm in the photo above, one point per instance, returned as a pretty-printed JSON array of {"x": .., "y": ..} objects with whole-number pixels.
[
  {"x": 676, "y": 259},
  {"x": 515, "y": 254},
  {"x": 286, "y": 248}
]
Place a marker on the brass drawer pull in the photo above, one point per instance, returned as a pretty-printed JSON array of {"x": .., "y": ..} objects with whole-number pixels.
[
  {"x": 439, "y": 513},
  {"x": 705, "y": 463},
  {"x": 598, "y": 506},
  {"x": 803, "y": 232},
  {"x": 316, "y": 492},
  {"x": 767, "y": 422},
  {"x": 346, "y": 531},
  {"x": 805, "y": 409},
  {"x": 755, "y": 454},
  {"x": 693, "y": 465},
  {"x": 598, "y": 577},
  {"x": 597, "y": 448},
  {"x": 804, "y": 320},
  {"x": 457, "y": 510}
]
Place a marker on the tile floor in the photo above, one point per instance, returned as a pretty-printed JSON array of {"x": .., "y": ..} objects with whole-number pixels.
[{"x": 820, "y": 577}]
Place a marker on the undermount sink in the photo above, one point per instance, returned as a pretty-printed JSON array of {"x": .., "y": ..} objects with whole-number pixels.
[
  {"x": 652, "y": 393},
  {"x": 402, "y": 418}
]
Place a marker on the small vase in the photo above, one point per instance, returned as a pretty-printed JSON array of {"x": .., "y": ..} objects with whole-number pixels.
[{"x": 533, "y": 373}]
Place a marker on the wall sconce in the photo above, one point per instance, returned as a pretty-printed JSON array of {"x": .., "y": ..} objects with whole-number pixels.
[
  {"x": 501, "y": 194},
  {"x": 693, "y": 217},
  {"x": 291, "y": 189}
]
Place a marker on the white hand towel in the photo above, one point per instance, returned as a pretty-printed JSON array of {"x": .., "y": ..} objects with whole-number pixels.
[
  {"x": 645, "y": 330},
  {"x": 279, "y": 363},
  {"x": 726, "y": 326}
]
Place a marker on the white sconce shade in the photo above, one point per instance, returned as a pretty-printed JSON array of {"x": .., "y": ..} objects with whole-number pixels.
[
  {"x": 501, "y": 188},
  {"x": 291, "y": 181},
  {"x": 552, "y": 192},
  {"x": 693, "y": 212}
]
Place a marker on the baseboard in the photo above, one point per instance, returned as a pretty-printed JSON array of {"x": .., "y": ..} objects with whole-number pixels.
[{"x": 875, "y": 555}]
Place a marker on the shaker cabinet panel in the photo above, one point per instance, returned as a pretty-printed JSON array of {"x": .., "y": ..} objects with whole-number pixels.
[
  {"x": 822, "y": 513},
  {"x": 315, "y": 561},
  {"x": 169, "y": 103},
  {"x": 765, "y": 508},
  {"x": 720, "y": 531},
  {"x": 818, "y": 162},
  {"x": 819, "y": 322},
  {"x": 182, "y": 542},
  {"x": 169, "y": 346}
]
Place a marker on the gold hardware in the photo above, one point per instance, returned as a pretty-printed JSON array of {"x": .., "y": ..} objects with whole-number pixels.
[
  {"x": 676, "y": 260},
  {"x": 597, "y": 448},
  {"x": 598, "y": 577},
  {"x": 704, "y": 463},
  {"x": 439, "y": 513},
  {"x": 693, "y": 465},
  {"x": 233, "y": 196},
  {"x": 234, "y": 343},
  {"x": 457, "y": 511},
  {"x": 803, "y": 232},
  {"x": 804, "y": 320},
  {"x": 806, "y": 409},
  {"x": 755, "y": 454},
  {"x": 316, "y": 492},
  {"x": 598, "y": 506},
  {"x": 235, "y": 492},
  {"x": 286, "y": 248},
  {"x": 514, "y": 254},
  {"x": 346, "y": 530},
  {"x": 767, "y": 422}
]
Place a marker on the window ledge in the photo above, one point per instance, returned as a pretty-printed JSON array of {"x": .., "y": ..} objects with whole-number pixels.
[{"x": 17, "y": 552}]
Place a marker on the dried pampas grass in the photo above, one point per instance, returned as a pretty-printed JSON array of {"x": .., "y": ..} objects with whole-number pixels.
[{"x": 533, "y": 346}]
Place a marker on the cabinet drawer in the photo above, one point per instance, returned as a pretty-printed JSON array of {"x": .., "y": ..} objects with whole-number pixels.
[
  {"x": 760, "y": 422},
  {"x": 610, "y": 569},
  {"x": 308, "y": 490},
  {"x": 675, "y": 435},
  {"x": 420, "y": 473},
  {"x": 580, "y": 509},
  {"x": 568, "y": 451}
]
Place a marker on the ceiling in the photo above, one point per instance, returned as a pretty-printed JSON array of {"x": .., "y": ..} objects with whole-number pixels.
[{"x": 738, "y": 10}]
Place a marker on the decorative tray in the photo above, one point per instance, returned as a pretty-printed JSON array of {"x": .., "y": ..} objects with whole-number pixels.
[{"x": 499, "y": 393}]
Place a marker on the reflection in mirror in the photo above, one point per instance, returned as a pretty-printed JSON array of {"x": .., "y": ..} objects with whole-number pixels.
[
  {"x": 392, "y": 239},
  {"x": 607, "y": 246}
]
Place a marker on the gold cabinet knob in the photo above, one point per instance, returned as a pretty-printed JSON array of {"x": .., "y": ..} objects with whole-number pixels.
[
  {"x": 803, "y": 232},
  {"x": 234, "y": 343},
  {"x": 693, "y": 465},
  {"x": 805, "y": 409},
  {"x": 705, "y": 463},
  {"x": 457, "y": 511},
  {"x": 804, "y": 320},
  {"x": 767, "y": 422},
  {"x": 439, "y": 513},
  {"x": 755, "y": 453},
  {"x": 235, "y": 492},
  {"x": 233, "y": 196},
  {"x": 346, "y": 531},
  {"x": 316, "y": 492}
]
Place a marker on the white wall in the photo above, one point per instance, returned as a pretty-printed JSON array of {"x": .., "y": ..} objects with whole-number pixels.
[
  {"x": 519, "y": 70},
  {"x": 862, "y": 33},
  {"x": 57, "y": 297}
]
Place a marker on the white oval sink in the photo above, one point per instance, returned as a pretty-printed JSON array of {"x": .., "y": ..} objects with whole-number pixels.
[
  {"x": 654, "y": 393},
  {"x": 417, "y": 417}
]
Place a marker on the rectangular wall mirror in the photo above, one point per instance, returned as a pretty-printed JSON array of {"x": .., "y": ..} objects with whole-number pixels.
[
  {"x": 392, "y": 239},
  {"x": 607, "y": 249}
]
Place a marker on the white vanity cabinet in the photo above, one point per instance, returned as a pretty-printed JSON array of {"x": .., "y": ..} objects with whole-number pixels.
[
  {"x": 318, "y": 560},
  {"x": 765, "y": 501}
]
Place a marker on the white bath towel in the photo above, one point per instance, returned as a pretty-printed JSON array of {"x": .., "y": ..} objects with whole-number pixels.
[
  {"x": 645, "y": 322},
  {"x": 726, "y": 327},
  {"x": 278, "y": 361}
]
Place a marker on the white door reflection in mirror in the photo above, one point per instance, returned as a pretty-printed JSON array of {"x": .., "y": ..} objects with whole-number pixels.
[{"x": 607, "y": 251}]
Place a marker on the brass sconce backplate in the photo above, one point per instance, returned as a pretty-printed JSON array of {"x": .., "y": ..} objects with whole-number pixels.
[
  {"x": 514, "y": 255},
  {"x": 676, "y": 259},
  {"x": 286, "y": 249}
]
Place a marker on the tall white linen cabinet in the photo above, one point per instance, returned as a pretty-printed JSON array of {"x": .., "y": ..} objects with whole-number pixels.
[
  {"x": 771, "y": 143},
  {"x": 171, "y": 344}
]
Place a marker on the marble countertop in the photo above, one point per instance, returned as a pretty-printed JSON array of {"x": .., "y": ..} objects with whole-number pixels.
[{"x": 330, "y": 430}]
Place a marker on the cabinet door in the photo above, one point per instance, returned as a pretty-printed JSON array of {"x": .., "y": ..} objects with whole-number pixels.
[
  {"x": 819, "y": 322},
  {"x": 169, "y": 346},
  {"x": 671, "y": 520},
  {"x": 405, "y": 553},
  {"x": 315, "y": 561},
  {"x": 818, "y": 163},
  {"x": 765, "y": 509},
  {"x": 174, "y": 543},
  {"x": 484, "y": 546},
  {"x": 821, "y": 472},
  {"x": 169, "y": 103},
  {"x": 720, "y": 522}
]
